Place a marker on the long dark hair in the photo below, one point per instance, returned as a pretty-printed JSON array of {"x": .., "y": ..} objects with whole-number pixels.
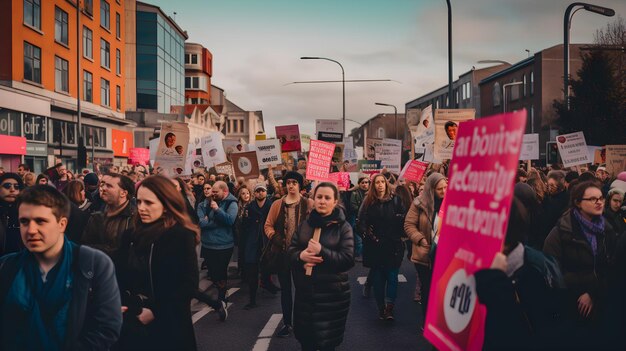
[
  {"x": 371, "y": 193},
  {"x": 172, "y": 201}
]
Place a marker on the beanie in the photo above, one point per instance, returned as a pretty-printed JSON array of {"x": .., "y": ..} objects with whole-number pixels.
[
  {"x": 9, "y": 175},
  {"x": 91, "y": 179},
  {"x": 295, "y": 176}
]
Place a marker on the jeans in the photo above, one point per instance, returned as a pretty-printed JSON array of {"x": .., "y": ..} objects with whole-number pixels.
[
  {"x": 385, "y": 283},
  {"x": 425, "y": 276},
  {"x": 286, "y": 297},
  {"x": 358, "y": 245}
]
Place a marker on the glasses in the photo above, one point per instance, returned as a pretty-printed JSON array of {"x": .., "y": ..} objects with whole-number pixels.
[
  {"x": 14, "y": 185},
  {"x": 595, "y": 200}
]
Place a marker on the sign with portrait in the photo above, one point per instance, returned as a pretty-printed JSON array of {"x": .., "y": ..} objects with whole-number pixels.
[{"x": 446, "y": 128}]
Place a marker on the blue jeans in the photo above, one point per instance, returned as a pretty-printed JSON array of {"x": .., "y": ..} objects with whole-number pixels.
[
  {"x": 358, "y": 241},
  {"x": 385, "y": 283}
]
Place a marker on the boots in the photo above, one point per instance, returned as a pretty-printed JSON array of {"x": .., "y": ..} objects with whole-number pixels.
[
  {"x": 388, "y": 312},
  {"x": 381, "y": 312}
]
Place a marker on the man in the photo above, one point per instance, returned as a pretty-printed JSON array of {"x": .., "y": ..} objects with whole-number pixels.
[
  {"x": 554, "y": 204},
  {"x": 55, "y": 295},
  {"x": 604, "y": 177},
  {"x": 251, "y": 245},
  {"x": 104, "y": 229},
  {"x": 358, "y": 195},
  {"x": 22, "y": 169},
  {"x": 217, "y": 217},
  {"x": 11, "y": 185},
  {"x": 283, "y": 220},
  {"x": 59, "y": 180}
]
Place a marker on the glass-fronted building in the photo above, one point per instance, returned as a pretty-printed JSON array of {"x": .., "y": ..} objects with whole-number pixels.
[{"x": 160, "y": 60}]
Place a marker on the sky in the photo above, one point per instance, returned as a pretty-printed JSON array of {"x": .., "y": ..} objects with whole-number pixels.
[{"x": 257, "y": 45}]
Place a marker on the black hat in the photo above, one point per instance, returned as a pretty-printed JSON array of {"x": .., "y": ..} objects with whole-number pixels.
[
  {"x": 295, "y": 176},
  {"x": 91, "y": 179},
  {"x": 15, "y": 176}
]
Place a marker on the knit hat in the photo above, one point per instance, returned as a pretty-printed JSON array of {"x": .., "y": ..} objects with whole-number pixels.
[
  {"x": 15, "y": 176},
  {"x": 295, "y": 176},
  {"x": 91, "y": 179}
]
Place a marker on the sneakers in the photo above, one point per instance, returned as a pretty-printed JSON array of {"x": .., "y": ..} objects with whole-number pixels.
[
  {"x": 284, "y": 332},
  {"x": 250, "y": 306},
  {"x": 388, "y": 313},
  {"x": 222, "y": 312},
  {"x": 367, "y": 290}
]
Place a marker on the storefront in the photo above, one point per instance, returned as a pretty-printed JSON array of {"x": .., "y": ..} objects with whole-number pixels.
[{"x": 11, "y": 152}]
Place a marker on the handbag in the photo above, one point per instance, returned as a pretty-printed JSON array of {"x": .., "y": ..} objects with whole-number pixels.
[{"x": 274, "y": 255}]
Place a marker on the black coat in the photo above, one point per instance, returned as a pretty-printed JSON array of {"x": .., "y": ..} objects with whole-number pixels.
[
  {"x": 252, "y": 234},
  {"x": 10, "y": 233},
  {"x": 382, "y": 244},
  {"x": 171, "y": 285},
  {"x": 322, "y": 300}
]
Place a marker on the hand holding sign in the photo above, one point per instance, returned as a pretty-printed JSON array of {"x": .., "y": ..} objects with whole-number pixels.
[{"x": 312, "y": 251}]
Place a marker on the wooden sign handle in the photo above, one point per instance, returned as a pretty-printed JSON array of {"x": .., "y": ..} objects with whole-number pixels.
[{"x": 316, "y": 237}]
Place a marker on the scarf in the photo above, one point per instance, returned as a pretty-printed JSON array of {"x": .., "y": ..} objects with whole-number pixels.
[
  {"x": 316, "y": 220},
  {"x": 43, "y": 305},
  {"x": 427, "y": 197},
  {"x": 590, "y": 228},
  {"x": 146, "y": 234}
]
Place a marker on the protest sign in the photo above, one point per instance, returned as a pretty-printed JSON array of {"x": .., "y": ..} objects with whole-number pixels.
[
  {"x": 231, "y": 147},
  {"x": 369, "y": 166},
  {"x": 475, "y": 217},
  {"x": 530, "y": 147},
  {"x": 371, "y": 144},
  {"x": 289, "y": 160},
  {"x": 245, "y": 164},
  {"x": 289, "y": 137},
  {"x": 153, "y": 145},
  {"x": 599, "y": 156},
  {"x": 423, "y": 136},
  {"x": 305, "y": 142},
  {"x": 329, "y": 125},
  {"x": 225, "y": 168},
  {"x": 139, "y": 156},
  {"x": 615, "y": 159},
  {"x": 268, "y": 152},
  {"x": 446, "y": 128},
  {"x": 212, "y": 149},
  {"x": 330, "y": 137},
  {"x": 191, "y": 155},
  {"x": 390, "y": 154},
  {"x": 320, "y": 156},
  {"x": 341, "y": 179},
  {"x": 172, "y": 149},
  {"x": 413, "y": 171},
  {"x": 338, "y": 154},
  {"x": 573, "y": 149}
]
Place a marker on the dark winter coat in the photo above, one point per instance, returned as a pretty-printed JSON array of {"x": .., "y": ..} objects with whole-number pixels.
[
  {"x": 172, "y": 268},
  {"x": 252, "y": 232},
  {"x": 11, "y": 239},
  {"x": 323, "y": 299},
  {"x": 383, "y": 225},
  {"x": 103, "y": 232},
  {"x": 552, "y": 209}
]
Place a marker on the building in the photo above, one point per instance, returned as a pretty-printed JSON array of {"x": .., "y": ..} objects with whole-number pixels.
[
  {"x": 198, "y": 72},
  {"x": 465, "y": 90},
  {"x": 48, "y": 59},
  {"x": 242, "y": 125},
  {"x": 537, "y": 83}
]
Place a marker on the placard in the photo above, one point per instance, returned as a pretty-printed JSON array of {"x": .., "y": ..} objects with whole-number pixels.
[
  {"x": 338, "y": 154},
  {"x": 573, "y": 149},
  {"x": 320, "y": 156},
  {"x": 213, "y": 149},
  {"x": 615, "y": 159},
  {"x": 289, "y": 137},
  {"x": 245, "y": 164},
  {"x": 530, "y": 147},
  {"x": 371, "y": 145},
  {"x": 390, "y": 154},
  {"x": 138, "y": 156},
  {"x": 423, "y": 136},
  {"x": 414, "y": 171},
  {"x": 368, "y": 166},
  {"x": 172, "y": 149},
  {"x": 268, "y": 152},
  {"x": 330, "y": 137},
  {"x": 329, "y": 125},
  {"x": 341, "y": 179},
  {"x": 446, "y": 129},
  {"x": 225, "y": 168},
  {"x": 475, "y": 217},
  {"x": 189, "y": 160},
  {"x": 232, "y": 146},
  {"x": 305, "y": 142}
]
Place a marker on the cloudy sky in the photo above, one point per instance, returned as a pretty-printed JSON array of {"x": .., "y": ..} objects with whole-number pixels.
[{"x": 257, "y": 46}]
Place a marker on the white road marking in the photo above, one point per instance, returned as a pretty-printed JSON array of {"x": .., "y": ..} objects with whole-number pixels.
[
  {"x": 401, "y": 279},
  {"x": 263, "y": 342},
  {"x": 206, "y": 310}
]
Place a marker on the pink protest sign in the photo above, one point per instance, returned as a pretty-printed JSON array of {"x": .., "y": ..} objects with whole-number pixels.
[
  {"x": 476, "y": 211},
  {"x": 138, "y": 155},
  {"x": 414, "y": 170},
  {"x": 289, "y": 137},
  {"x": 342, "y": 179},
  {"x": 320, "y": 155}
]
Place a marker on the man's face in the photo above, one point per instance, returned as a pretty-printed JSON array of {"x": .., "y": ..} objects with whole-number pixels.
[
  {"x": 552, "y": 186},
  {"x": 41, "y": 232},
  {"x": 110, "y": 190},
  {"x": 21, "y": 171},
  {"x": 9, "y": 190},
  {"x": 451, "y": 132},
  {"x": 600, "y": 174},
  {"x": 260, "y": 194},
  {"x": 61, "y": 170},
  {"x": 170, "y": 140},
  {"x": 293, "y": 187},
  {"x": 218, "y": 193}
]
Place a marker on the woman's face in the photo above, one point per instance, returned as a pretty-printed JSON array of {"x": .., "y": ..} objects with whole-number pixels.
[
  {"x": 148, "y": 205},
  {"x": 43, "y": 181},
  {"x": 207, "y": 190},
  {"x": 245, "y": 195},
  {"x": 441, "y": 188},
  {"x": 380, "y": 185},
  {"x": 616, "y": 202},
  {"x": 592, "y": 202},
  {"x": 324, "y": 201},
  {"x": 82, "y": 195}
]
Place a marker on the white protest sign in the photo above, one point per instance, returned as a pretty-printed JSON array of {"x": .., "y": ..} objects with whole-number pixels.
[
  {"x": 530, "y": 147},
  {"x": 390, "y": 154},
  {"x": 212, "y": 149},
  {"x": 267, "y": 152},
  {"x": 328, "y": 125},
  {"x": 573, "y": 149}
]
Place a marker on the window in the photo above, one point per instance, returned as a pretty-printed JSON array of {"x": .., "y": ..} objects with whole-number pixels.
[
  {"x": 496, "y": 94},
  {"x": 105, "y": 54},
  {"x": 32, "y": 63},
  {"x": 187, "y": 82},
  {"x": 194, "y": 59},
  {"x": 469, "y": 90},
  {"x": 514, "y": 91},
  {"x": 61, "y": 131},
  {"x": 88, "y": 7},
  {"x": 118, "y": 97},
  {"x": 61, "y": 75},
  {"x": 118, "y": 61},
  {"x": 87, "y": 86},
  {"x": 32, "y": 13},
  {"x": 94, "y": 136},
  {"x": 532, "y": 82},
  {"x": 118, "y": 26},
  {"x": 87, "y": 43},
  {"x": 60, "y": 26},
  {"x": 381, "y": 133},
  {"x": 104, "y": 92},
  {"x": 105, "y": 19},
  {"x": 186, "y": 59},
  {"x": 195, "y": 82},
  {"x": 524, "y": 85}
]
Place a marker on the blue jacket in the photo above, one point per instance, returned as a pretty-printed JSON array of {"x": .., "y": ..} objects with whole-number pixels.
[
  {"x": 217, "y": 225},
  {"x": 252, "y": 232}
]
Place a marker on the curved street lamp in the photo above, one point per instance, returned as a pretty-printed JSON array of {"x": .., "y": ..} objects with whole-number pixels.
[
  {"x": 395, "y": 112},
  {"x": 343, "y": 83}
]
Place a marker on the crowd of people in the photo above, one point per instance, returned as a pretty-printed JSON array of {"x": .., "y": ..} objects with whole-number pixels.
[{"x": 109, "y": 259}]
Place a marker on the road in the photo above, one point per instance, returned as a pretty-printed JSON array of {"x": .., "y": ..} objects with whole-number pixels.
[{"x": 254, "y": 329}]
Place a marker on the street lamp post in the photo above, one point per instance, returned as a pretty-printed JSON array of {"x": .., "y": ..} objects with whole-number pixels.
[
  {"x": 504, "y": 86},
  {"x": 605, "y": 11},
  {"x": 395, "y": 113},
  {"x": 449, "y": 53},
  {"x": 343, "y": 84}
]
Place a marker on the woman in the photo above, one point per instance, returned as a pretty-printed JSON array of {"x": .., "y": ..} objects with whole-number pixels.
[
  {"x": 421, "y": 226},
  {"x": 75, "y": 192},
  {"x": 612, "y": 211},
  {"x": 381, "y": 218},
  {"x": 243, "y": 199},
  {"x": 579, "y": 242},
  {"x": 322, "y": 299},
  {"x": 157, "y": 271},
  {"x": 29, "y": 179},
  {"x": 42, "y": 179}
]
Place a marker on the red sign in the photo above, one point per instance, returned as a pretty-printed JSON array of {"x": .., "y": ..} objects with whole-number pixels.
[
  {"x": 475, "y": 217},
  {"x": 122, "y": 142},
  {"x": 414, "y": 171},
  {"x": 139, "y": 156},
  {"x": 12, "y": 145},
  {"x": 289, "y": 137},
  {"x": 320, "y": 155},
  {"x": 342, "y": 179}
]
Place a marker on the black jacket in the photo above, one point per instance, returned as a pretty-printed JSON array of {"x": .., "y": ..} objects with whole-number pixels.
[
  {"x": 322, "y": 300},
  {"x": 10, "y": 237},
  {"x": 382, "y": 223},
  {"x": 252, "y": 235},
  {"x": 171, "y": 282},
  {"x": 103, "y": 232},
  {"x": 76, "y": 223}
]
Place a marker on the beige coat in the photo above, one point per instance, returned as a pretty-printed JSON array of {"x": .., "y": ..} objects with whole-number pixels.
[{"x": 418, "y": 228}]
